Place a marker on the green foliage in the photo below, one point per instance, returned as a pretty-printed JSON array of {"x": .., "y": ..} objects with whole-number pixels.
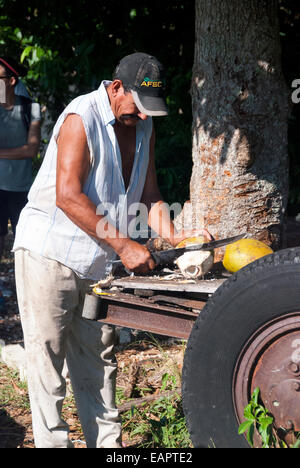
[
  {"x": 297, "y": 443},
  {"x": 170, "y": 430},
  {"x": 70, "y": 47},
  {"x": 161, "y": 424},
  {"x": 12, "y": 390},
  {"x": 259, "y": 419}
]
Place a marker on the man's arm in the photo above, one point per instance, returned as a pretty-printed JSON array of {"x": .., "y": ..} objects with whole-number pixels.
[
  {"x": 30, "y": 150},
  {"x": 73, "y": 165},
  {"x": 159, "y": 217}
]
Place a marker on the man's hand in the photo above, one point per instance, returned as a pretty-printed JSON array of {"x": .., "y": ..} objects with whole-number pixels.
[
  {"x": 180, "y": 236},
  {"x": 136, "y": 257}
]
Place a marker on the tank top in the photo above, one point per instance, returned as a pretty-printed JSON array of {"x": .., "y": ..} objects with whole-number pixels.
[{"x": 45, "y": 229}]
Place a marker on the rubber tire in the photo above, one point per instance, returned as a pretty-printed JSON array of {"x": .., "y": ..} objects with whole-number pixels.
[{"x": 266, "y": 289}]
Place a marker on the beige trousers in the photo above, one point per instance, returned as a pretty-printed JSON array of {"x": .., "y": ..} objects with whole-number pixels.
[{"x": 50, "y": 298}]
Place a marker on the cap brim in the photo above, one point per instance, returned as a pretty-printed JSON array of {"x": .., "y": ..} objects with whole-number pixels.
[{"x": 148, "y": 105}]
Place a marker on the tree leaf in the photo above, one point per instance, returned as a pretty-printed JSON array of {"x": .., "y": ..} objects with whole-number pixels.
[
  {"x": 250, "y": 435},
  {"x": 245, "y": 426},
  {"x": 265, "y": 422},
  {"x": 248, "y": 412},
  {"x": 255, "y": 395},
  {"x": 26, "y": 52}
]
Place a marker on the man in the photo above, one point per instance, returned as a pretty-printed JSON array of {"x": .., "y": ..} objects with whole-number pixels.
[
  {"x": 101, "y": 154},
  {"x": 19, "y": 143}
]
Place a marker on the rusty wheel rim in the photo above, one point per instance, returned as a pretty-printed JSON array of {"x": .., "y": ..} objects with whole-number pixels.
[{"x": 270, "y": 360}]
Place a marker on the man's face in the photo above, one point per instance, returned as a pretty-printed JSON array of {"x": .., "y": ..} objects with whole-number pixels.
[
  {"x": 125, "y": 109},
  {"x": 8, "y": 81}
]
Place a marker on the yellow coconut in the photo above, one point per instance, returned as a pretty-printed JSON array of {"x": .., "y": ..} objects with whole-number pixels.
[
  {"x": 243, "y": 252},
  {"x": 192, "y": 241}
]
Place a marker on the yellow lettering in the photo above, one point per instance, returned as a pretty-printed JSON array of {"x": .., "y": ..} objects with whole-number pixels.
[{"x": 154, "y": 84}]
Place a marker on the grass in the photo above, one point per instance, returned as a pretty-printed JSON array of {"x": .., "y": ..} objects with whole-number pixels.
[
  {"x": 12, "y": 390},
  {"x": 159, "y": 423}
]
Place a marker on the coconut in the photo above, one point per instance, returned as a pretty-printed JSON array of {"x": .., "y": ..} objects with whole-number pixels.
[
  {"x": 195, "y": 263},
  {"x": 243, "y": 252},
  {"x": 192, "y": 241}
]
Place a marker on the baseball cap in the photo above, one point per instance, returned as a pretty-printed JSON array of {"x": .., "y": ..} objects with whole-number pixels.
[{"x": 145, "y": 77}]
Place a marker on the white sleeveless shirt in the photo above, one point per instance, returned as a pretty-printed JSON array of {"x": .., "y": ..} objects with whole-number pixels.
[{"x": 44, "y": 228}]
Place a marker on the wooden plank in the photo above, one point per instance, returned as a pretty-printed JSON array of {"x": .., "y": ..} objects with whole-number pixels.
[
  {"x": 157, "y": 284},
  {"x": 130, "y": 299}
]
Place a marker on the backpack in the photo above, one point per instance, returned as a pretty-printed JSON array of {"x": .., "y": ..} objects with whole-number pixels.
[{"x": 26, "y": 111}]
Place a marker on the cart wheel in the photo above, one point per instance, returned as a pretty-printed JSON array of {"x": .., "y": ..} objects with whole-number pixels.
[{"x": 247, "y": 336}]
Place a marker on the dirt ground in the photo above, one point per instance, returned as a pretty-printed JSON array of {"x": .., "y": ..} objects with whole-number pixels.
[{"x": 140, "y": 365}]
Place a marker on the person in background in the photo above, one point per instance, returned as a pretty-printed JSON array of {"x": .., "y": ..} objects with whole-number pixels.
[{"x": 19, "y": 144}]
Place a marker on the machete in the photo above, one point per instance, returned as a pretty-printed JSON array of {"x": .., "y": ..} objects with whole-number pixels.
[{"x": 167, "y": 257}]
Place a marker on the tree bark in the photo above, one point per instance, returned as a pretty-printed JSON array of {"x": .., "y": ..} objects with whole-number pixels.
[{"x": 240, "y": 102}]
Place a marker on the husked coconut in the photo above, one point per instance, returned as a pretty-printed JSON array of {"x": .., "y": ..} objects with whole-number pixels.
[
  {"x": 243, "y": 252},
  {"x": 196, "y": 263}
]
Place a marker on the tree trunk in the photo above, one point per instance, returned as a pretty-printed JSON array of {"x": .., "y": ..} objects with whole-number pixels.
[{"x": 240, "y": 114}]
